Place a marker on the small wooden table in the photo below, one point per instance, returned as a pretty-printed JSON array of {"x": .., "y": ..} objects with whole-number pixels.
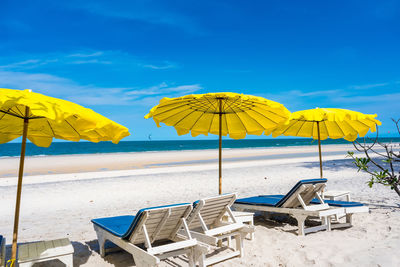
[
  {"x": 60, "y": 249},
  {"x": 334, "y": 194}
]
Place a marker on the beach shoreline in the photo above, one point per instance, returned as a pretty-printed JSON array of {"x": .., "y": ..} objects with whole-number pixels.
[
  {"x": 57, "y": 205},
  {"x": 77, "y": 163}
]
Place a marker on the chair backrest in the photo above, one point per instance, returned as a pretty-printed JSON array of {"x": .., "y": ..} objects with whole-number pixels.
[
  {"x": 209, "y": 211},
  {"x": 306, "y": 189},
  {"x": 157, "y": 223}
]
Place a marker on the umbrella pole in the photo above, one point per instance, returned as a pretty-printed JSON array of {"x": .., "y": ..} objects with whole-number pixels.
[
  {"x": 19, "y": 188},
  {"x": 319, "y": 148},
  {"x": 220, "y": 147}
]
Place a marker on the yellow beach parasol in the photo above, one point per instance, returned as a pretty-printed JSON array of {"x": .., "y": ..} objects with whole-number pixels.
[
  {"x": 40, "y": 118},
  {"x": 321, "y": 123},
  {"x": 222, "y": 114}
]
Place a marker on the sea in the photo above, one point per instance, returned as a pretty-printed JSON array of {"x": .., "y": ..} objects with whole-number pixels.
[{"x": 64, "y": 148}]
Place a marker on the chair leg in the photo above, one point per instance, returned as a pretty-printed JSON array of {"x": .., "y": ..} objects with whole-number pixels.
[
  {"x": 326, "y": 220},
  {"x": 349, "y": 218},
  {"x": 190, "y": 256},
  {"x": 102, "y": 242},
  {"x": 251, "y": 223},
  {"x": 301, "y": 223},
  {"x": 67, "y": 260},
  {"x": 141, "y": 263},
  {"x": 239, "y": 244}
]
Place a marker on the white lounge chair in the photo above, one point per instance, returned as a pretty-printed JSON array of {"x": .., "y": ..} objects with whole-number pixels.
[
  {"x": 2, "y": 250},
  {"x": 139, "y": 234},
  {"x": 297, "y": 202},
  {"x": 206, "y": 225}
]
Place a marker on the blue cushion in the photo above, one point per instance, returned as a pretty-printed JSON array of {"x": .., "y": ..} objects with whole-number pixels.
[
  {"x": 277, "y": 200},
  {"x": 337, "y": 203},
  {"x": 1, "y": 239},
  {"x": 259, "y": 201},
  {"x": 123, "y": 226},
  {"x": 118, "y": 225}
]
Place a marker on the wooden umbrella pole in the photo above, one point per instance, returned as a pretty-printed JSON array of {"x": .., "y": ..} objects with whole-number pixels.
[
  {"x": 19, "y": 188},
  {"x": 220, "y": 147},
  {"x": 319, "y": 148}
]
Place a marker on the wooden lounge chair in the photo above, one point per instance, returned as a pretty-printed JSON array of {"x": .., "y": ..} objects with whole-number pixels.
[
  {"x": 297, "y": 202},
  {"x": 206, "y": 225},
  {"x": 2, "y": 250},
  {"x": 140, "y": 235}
]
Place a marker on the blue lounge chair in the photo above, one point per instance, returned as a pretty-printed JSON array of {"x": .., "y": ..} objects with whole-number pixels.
[
  {"x": 137, "y": 234},
  {"x": 2, "y": 250},
  {"x": 298, "y": 203}
]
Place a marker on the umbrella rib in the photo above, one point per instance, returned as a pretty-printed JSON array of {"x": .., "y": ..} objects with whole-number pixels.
[
  {"x": 327, "y": 131},
  {"x": 184, "y": 117},
  {"x": 255, "y": 120},
  {"x": 11, "y": 114},
  {"x": 208, "y": 102},
  {"x": 289, "y": 126},
  {"x": 233, "y": 103},
  {"x": 364, "y": 124},
  {"x": 211, "y": 121},
  {"x": 73, "y": 128},
  {"x": 312, "y": 130},
  {"x": 244, "y": 126},
  {"x": 300, "y": 128},
  {"x": 264, "y": 115},
  {"x": 264, "y": 104},
  {"x": 51, "y": 128},
  {"x": 5, "y": 113},
  {"x": 340, "y": 128},
  {"x": 184, "y": 104},
  {"x": 198, "y": 119},
  {"x": 22, "y": 114},
  {"x": 171, "y": 116}
]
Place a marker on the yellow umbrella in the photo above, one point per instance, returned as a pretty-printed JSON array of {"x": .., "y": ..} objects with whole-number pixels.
[
  {"x": 40, "y": 118},
  {"x": 321, "y": 123},
  {"x": 220, "y": 113}
]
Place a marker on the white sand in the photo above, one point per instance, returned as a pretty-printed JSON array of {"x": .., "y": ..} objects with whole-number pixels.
[{"x": 55, "y": 206}]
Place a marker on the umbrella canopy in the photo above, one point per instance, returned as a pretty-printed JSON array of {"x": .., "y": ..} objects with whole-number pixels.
[
  {"x": 222, "y": 114},
  {"x": 40, "y": 118},
  {"x": 52, "y": 118},
  {"x": 323, "y": 123}
]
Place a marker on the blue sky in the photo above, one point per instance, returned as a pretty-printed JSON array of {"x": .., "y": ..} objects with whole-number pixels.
[{"x": 121, "y": 57}]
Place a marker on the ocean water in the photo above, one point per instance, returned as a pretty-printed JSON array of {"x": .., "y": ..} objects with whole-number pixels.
[{"x": 63, "y": 148}]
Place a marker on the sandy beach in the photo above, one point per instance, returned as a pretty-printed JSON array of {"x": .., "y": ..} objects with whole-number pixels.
[{"x": 61, "y": 194}]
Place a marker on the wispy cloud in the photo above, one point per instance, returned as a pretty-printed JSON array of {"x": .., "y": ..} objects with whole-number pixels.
[
  {"x": 91, "y": 61},
  {"x": 92, "y": 54},
  {"x": 165, "y": 89},
  {"x": 116, "y": 58},
  {"x": 368, "y": 86},
  {"x": 167, "y": 65},
  {"x": 28, "y": 62},
  {"x": 91, "y": 94}
]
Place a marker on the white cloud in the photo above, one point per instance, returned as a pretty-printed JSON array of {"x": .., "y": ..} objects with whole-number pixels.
[
  {"x": 116, "y": 58},
  {"x": 165, "y": 89},
  {"x": 165, "y": 66},
  {"x": 368, "y": 86},
  {"x": 28, "y": 62},
  {"x": 91, "y": 61},
  {"x": 89, "y": 94},
  {"x": 90, "y": 54}
]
